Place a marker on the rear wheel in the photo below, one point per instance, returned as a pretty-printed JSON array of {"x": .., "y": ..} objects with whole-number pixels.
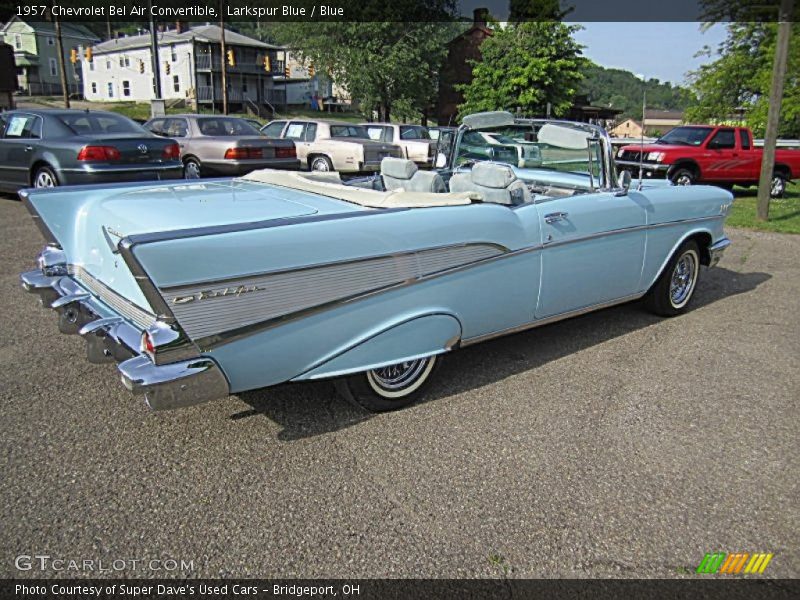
[
  {"x": 675, "y": 287},
  {"x": 321, "y": 163},
  {"x": 191, "y": 168},
  {"x": 44, "y": 178},
  {"x": 777, "y": 186},
  {"x": 391, "y": 387}
]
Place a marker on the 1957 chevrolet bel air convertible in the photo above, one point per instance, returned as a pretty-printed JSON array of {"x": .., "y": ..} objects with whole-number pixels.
[{"x": 203, "y": 289}]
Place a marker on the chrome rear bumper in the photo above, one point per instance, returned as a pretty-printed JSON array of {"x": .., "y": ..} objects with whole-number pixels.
[{"x": 109, "y": 338}]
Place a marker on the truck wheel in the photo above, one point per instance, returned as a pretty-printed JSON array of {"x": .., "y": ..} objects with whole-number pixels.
[
  {"x": 674, "y": 289},
  {"x": 321, "y": 163},
  {"x": 391, "y": 387},
  {"x": 777, "y": 187},
  {"x": 683, "y": 177}
]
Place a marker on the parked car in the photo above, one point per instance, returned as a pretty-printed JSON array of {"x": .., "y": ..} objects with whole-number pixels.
[
  {"x": 415, "y": 140},
  {"x": 47, "y": 148},
  {"x": 332, "y": 145},
  {"x": 220, "y": 145},
  {"x": 723, "y": 155},
  {"x": 213, "y": 288}
]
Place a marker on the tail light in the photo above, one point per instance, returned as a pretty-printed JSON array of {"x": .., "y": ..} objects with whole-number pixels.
[
  {"x": 171, "y": 152},
  {"x": 147, "y": 346},
  {"x": 98, "y": 153},
  {"x": 288, "y": 152},
  {"x": 243, "y": 153}
]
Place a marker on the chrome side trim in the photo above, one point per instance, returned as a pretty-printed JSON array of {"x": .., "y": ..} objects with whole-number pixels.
[
  {"x": 120, "y": 304},
  {"x": 205, "y": 311},
  {"x": 548, "y": 320},
  {"x": 631, "y": 229},
  {"x": 175, "y": 385}
]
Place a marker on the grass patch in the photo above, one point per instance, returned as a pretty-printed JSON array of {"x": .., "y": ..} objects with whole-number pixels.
[{"x": 784, "y": 214}]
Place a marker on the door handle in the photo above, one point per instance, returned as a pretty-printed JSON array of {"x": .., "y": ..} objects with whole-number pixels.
[
  {"x": 556, "y": 216},
  {"x": 28, "y": 148}
]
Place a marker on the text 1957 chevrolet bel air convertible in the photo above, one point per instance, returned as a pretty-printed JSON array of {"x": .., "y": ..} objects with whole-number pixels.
[{"x": 204, "y": 289}]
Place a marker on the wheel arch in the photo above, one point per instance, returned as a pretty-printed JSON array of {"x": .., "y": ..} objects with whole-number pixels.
[
  {"x": 38, "y": 164},
  {"x": 317, "y": 154},
  {"x": 784, "y": 169},
  {"x": 703, "y": 238},
  {"x": 409, "y": 337},
  {"x": 684, "y": 163}
]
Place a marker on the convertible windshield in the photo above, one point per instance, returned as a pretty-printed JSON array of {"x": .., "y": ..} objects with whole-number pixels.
[
  {"x": 519, "y": 146},
  {"x": 354, "y": 131},
  {"x": 686, "y": 136}
]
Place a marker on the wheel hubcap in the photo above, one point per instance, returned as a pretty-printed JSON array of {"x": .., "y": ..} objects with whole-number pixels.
[
  {"x": 684, "y": 180},
  {"x": 396, "y": 377},
  {"x": 44, "y": 179},
  {"x": 191, "y": 170},
  {"x": 683, "y": 280},
  {"x": 320, "y": 165},
  {"x": 777, "y": 186}
]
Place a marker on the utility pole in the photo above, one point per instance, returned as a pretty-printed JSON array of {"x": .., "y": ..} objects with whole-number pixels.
[
  {"x": 62, "y": 67},
  {"x": 775, "y": 102},
  {"x": 154, "y": 52},
  {"x": 223, "y": 58}
]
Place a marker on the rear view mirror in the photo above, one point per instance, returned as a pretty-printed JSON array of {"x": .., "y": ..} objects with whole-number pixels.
[{"x": 624, "y": 183}]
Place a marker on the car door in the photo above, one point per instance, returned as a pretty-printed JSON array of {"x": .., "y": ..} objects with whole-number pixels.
[
  {"x": 723, "y": 162},
  {"x": 296, "y": 131},
  {"x": 21, "y": 136},
  {"x": 592, "y": 250}
]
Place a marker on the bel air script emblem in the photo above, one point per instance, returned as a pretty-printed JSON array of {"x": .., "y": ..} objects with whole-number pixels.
[{"x": 208, "y": 294}]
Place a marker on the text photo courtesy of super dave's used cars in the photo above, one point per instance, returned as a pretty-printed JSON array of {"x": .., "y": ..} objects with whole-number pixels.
[{"x": 204, "y": 288}]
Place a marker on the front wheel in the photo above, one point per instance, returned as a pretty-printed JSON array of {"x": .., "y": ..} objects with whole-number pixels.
[
  {"x": 683, "y": 177},
  {"x": 675, "y": 287},
  {"x": 389, "y": 388}
]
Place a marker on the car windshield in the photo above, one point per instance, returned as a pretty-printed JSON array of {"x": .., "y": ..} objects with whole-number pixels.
[
  {"x": 353, "y": 131},
  {"x": 519, "y": 146},
  {"x": 226, "y": 126},
  {"x": 93, "y": 123},
  {"x": 685, "y": 136}
]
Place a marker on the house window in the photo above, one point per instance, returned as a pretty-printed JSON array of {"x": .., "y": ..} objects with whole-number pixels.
[
  {"x": 18, "y": 42},
  {"x": 108, "y": 65},
  {"x": 127, "y": 61},
  {"x": 244, "y": 86},
  {"x": 94, "y": 87},
  {"x": 173, "y": 53},
  {"x": 176, "y": 83},
  {"x": 110, "y": 90},
  {"x": 51, "y": 41},
  {"x": 121, "y": 62},
  {"x": 126, "y": 88},
  {"x": 91, "y": 66},
  {"x": 53, "y": 67}
]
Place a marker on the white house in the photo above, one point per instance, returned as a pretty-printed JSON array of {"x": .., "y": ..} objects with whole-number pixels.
[{"x": 190, "y": 67}]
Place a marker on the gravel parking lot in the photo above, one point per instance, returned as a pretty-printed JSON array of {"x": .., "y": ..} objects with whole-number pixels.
[{"x": 614, "y": 444}]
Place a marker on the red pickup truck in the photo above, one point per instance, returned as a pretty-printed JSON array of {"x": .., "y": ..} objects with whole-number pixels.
[{"x": 721, "y": 156}]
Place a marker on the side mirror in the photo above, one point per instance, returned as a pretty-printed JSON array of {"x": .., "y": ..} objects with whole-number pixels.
[
  {"x": 624, "y": 183},
  {"x": 441, "y": 160}
]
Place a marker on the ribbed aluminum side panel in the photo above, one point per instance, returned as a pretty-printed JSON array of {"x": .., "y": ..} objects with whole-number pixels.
[
  {"x": 283, "y": 293},
  {"x": 119, "y": 304}
]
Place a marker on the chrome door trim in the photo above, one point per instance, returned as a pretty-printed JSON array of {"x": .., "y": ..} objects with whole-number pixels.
[{"x": 550, "y": 319}]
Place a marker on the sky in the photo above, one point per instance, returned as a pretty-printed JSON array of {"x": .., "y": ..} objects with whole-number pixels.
[{"x": 664, "y": 51}]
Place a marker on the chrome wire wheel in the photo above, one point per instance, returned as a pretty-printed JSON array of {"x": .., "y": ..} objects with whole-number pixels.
[
  {"x": 683, "y": 179},
  {"x": 684, "y": 278},
  {"x": 401, "y": 379},
  {"x": 44, "y": 179}
]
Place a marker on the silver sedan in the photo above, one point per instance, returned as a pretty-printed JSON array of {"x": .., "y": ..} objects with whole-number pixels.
[{"x": 223, "y": 146}]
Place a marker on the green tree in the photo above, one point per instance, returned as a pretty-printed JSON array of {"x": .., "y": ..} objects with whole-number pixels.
[
  {"x": 738, "y": 81},
  {"x": 526, "y": 65},
  {"x": 382, "y": 65}
]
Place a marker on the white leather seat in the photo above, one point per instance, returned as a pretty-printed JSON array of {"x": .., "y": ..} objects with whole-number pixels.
[
  {"x": 495, "y": 182},
  {"x": 402, "y": 174}
]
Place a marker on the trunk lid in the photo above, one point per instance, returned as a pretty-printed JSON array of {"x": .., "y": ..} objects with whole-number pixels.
[{"x": 132, "y": 149}]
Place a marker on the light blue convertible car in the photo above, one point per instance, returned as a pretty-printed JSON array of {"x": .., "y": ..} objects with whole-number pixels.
[{"x": 203, "y": 289}]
